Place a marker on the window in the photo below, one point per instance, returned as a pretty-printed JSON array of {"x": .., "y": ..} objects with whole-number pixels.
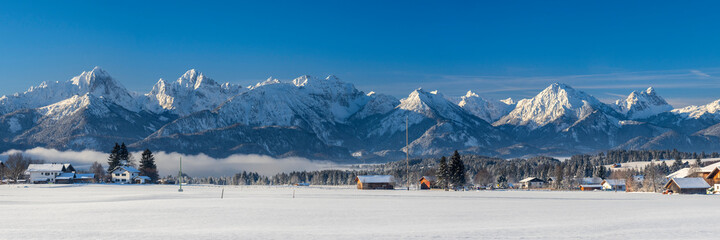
[{"x": 124, "y": 174}]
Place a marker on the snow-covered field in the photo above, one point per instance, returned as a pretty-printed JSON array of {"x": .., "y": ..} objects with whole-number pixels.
[{"x": 160, "y": 212}]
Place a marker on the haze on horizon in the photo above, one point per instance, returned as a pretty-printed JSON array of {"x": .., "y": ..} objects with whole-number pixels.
[{"x": 498, "y": 50}]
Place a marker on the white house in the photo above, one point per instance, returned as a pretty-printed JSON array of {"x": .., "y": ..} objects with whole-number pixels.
[
  {"x": 47, "y": 172},
  {"x": 124, "y": 174},
  {"x": 532, "y": 182},
  {"x": 614, "y": 184}
]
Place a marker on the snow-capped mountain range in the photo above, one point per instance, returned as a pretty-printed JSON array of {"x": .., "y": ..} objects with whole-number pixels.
[{"x": 329, "y": 119}]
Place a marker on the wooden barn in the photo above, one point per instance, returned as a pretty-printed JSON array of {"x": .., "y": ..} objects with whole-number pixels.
[
  {"x": 687, "y": 185},
  {"x": 428, "y": 182},
  {"x": 590, "y": 187},
  {"x": 714, "y": 179},
  {"x": 375, "y": 182}
]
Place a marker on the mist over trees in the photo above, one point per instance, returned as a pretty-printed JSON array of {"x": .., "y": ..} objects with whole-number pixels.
[{"x": 489, "y": 171}]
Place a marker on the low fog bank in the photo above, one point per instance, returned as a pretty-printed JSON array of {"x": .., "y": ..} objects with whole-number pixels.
[{"x": 194, "y": 165}]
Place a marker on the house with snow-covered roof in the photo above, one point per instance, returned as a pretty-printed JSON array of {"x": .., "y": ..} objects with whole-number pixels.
[
  {"x": 714, "y": 179},
  {"x": 692, "y": 172},
  {"x": 124, "y": 174},
  {"x": 687, "y": 185},
  {"x": 614, "y": 185},
  {"x": 532, "y": 182},
  {"x": 375, "y": 182},
  {"x": 47, "y": 172}
]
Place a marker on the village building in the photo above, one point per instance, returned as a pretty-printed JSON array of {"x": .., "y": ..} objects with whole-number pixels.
[
  {"x": 590, "y": 187},
  {"x": 142, "y": 179},
  {"x": 84, "y": 178},
  {"x": 687, "y": 185},
  {"x": 47, "y": 172},
  {"x": 428, "y": 182},
  {"x": 590, "y": 183},
  {"x": 614, "y": 185},
  {"x": 693, "y": 172},
  {"x": 125, "y": 174},
  {"x": 713, "y": 179},
  {"x": 532, "y": 182},
  {"x": 375, "y": 182}
]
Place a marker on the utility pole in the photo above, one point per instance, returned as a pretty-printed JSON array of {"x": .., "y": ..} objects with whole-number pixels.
[
  {"x": 407, "y": 154},
  {"x": 180, "y": 176}
]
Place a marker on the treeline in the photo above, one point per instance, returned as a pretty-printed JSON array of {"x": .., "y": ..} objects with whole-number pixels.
[
  {"x": 322, "y": 177},
  {"x": 485, "y": 171}
]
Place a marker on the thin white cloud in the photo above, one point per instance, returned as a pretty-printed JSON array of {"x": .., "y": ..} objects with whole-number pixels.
[
  {"x": 700, "y": 73},
  {"x": 193, "y": 165}
]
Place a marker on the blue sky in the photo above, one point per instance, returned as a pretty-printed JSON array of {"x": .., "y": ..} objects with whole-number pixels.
[{"x": 497, "y": 48}]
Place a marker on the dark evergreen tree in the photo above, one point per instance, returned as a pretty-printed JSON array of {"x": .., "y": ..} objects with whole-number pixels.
[
  {"x": 114, "y": 158},
  {"x": 677, "y": 164},
  {"x": 124, "y": 155},
  {"x": 456, "y": 168},
  {"x": 443, "y": 174},
  {"x": 601, "y": 172},
  {"x": 148, "y": 167}
]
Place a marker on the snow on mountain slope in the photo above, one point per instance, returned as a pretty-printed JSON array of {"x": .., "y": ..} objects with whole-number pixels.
[
  {"x": 378, "y": 104},
  {"x": 488, "y": 110},
  {"x": 710, "y": 110},
  {"x": 97, "y": 82},
  {"x": 556, "y": 101},
  {"x": 640, "y": 105},
  {"x": 269, "y": 81},
  {"x": 192, "y": 92},
  {"x": 88, "y": 122},
  {"x": 317, "y": 105},
  {"x": 435, "y": 124}
]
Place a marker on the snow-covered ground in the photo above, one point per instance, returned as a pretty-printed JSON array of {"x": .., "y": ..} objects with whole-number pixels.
[{"x": 160, "y": 212}]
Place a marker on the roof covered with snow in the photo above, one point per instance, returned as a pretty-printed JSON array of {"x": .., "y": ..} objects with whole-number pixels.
[
  {"x": 591, "y": 180},
  {"x": 45, "y": 167},
  {"x": 375, "y": 179},
  {"x": 65, "y": 176},
  {"x": 84, "y": 175},
  {"x": 615, "y": 182},
  {"x": 686, "y": 171},
  {"x": 531, "y": 179},
  {"x": 143, "y": 177},
  {"x": 126, "y": 168},
  {"x": 689, "y": 183}
]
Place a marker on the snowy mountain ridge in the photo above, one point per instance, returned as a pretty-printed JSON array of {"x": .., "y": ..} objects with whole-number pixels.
[
  {"x": 327, "y": 118},
  {"x": 639, "y": 105},
  {"x": 555, "y": 101}
]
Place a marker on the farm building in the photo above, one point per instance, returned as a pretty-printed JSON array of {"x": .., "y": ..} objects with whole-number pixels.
[
  {"x": 693, "y": 172},
  {"x": 590, "y": 183},
  {"x": 714, "y": 179},
  {"x": 614, "y": 185},
  {"x": 428, "y": 182},
  {"x": 590, "y": 187},
  {"x": 48, "y": 172},
  {"x": 532, "y": 182},
  {"x": 375, "y": 182},
  {"x": 84, "y": 178},
  {"x": 687, "y": 185}
]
